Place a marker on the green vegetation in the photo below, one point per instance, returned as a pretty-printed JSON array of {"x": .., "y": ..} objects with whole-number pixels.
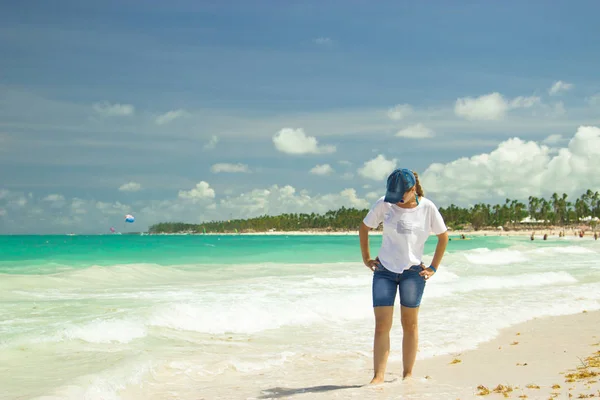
[
  {"x": 557, "y": 210},
  {"x": 339, "y": 220}
]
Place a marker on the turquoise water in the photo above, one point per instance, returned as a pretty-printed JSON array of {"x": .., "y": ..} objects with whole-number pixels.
[
  {"x": 47, "y": 254},
  {"x": 237, "y": 317}
]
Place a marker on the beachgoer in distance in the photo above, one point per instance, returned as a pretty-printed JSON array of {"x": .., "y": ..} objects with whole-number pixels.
[{"x": 408, "y": 219}]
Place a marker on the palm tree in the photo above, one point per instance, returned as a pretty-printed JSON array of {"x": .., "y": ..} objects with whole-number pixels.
[
  {"x": 497, "y": 215},
  {"x": 556, "y": 209},
  {"x": 546, "y": 210},
  {"x": 580, "y": 209},
  {"x": 534, "y": 204},
  {"x": 596, "y": 204},
  {"x": 520, "y": 211},
  {"x": 564, "y": 206},
  {"x": 587, "y": 199}
]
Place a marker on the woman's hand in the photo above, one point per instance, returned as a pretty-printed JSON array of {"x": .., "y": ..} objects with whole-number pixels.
[
  {"x": 426, "y": 272},
  {"x": 372, "y": 264}
]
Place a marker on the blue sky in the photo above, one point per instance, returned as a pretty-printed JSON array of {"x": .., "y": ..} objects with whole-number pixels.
[{"x": 193, "y": 110}]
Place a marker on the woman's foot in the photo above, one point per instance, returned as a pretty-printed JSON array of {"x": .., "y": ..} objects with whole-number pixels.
[
  {"x": 406, "y": 375},
  {"x": 377, "y": 380}
]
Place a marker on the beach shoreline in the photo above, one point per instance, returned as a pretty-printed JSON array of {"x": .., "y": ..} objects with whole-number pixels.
[
  {"x": 540, "y": 358},
  {"x": 552, "y": 232},
  {"x": 543, "y": 358}
]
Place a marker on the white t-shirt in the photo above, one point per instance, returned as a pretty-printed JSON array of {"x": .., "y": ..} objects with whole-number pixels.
[{"x": 405, "y": 231}]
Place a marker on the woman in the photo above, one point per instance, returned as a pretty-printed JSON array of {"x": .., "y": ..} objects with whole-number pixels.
[{"x": 408, "y": 219}]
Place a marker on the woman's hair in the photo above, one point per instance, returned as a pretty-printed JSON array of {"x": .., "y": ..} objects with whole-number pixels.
[{"x": 418, "y": 185}]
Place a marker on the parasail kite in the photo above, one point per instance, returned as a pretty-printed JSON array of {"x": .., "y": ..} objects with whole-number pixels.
[{"x": 129, "y": 218}]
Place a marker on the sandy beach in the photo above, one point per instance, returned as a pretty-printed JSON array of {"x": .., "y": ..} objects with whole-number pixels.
[{"x": 543, "y": 358}]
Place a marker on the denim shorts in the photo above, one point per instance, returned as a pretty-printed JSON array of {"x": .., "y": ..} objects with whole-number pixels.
[{"x": 409, "y": 284}]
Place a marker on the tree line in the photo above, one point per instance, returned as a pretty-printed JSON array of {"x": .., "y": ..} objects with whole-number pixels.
[{"x": 557, "y": 210}]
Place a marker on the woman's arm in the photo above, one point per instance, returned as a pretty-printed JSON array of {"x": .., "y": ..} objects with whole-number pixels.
[
  {"x": 440, "y": 249},
  {"x": 363, "y": 234},
  {"x": 428, "y": 272}
]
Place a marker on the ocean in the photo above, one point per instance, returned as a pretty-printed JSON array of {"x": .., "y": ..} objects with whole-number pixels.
[{"x": 253, "y": 317}]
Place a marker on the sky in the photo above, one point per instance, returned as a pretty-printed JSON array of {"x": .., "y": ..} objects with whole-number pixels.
[{"x": 195, "y": 111}]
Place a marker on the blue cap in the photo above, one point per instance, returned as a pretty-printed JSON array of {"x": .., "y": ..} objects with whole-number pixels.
[{"x": 398, "y": 183}]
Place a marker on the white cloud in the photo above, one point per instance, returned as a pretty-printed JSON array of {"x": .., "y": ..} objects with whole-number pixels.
[
  {"x": 295, "y": 141},
  {"x": 346, "y": 196},
  {"x": 212, "y": 143},
  {"x": 559, "y": 86},
  {"x": 114, "y": 110},
  {"x": 345, "y": 163},
  {"x": 594, "y": 100},
  {"x": 559, "y": 109},
  {"x": 54, "y": 198},
  {"x": 348, "y": 176},
  {"x": 112, "y": 209},
  {"x": 518, "y": 169},
  {"x": 418, "y": 131},
  {"x": 277, "y": 200},
  {"x": 324, "y": 169},
  {"x": 13, "y": 201},
  {"x": 200, "y": 192},
  {"x": 491, "y": 106},
  {"x": 225, "y": 167},
  {"x": 400, "y": 111},
  {"x": 170, "y": 116},
  {"x": 378, "y": 168},
  {"x": 553, "y": 139},
  {"x": 3, "y": 212},
  {"x": 18, "y": 202},
  {"x": 324, "y": 41},
  {"x": 524, "y": 102},
  {"x": 130, "y": 187},
  {"x": 78, "y": 206},
  {"x": 373, "y": 195},
  {"x": 487, "y": 107},
  {"x": 265, "y": 201}
]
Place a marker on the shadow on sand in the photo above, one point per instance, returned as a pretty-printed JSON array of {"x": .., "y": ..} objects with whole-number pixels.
[{"x": 281, "y": 392}]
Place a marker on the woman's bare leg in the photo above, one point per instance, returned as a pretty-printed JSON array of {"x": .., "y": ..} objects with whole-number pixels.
[
  {"x": 410, "y": 338},
  {"x": 381, "y": 347}
]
